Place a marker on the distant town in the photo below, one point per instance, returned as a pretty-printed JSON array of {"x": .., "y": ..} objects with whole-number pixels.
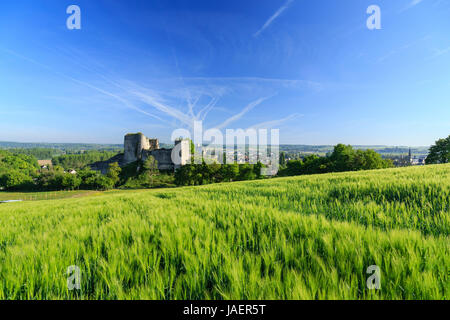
[{"x": 400, "y": 155}]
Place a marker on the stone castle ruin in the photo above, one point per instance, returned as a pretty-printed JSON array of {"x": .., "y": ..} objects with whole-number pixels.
[{"x": 137, "y": 147}]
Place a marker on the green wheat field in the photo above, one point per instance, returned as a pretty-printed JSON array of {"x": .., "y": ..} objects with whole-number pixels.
[{"x": 308, "y": 237}]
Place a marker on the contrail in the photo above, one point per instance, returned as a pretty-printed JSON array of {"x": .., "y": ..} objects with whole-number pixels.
[
  {"x": 124, "y": 101},
  {"x": 273, "y": 17},
  {"x": 273, "y": 123},
  {"x": 236, "y": 117}
]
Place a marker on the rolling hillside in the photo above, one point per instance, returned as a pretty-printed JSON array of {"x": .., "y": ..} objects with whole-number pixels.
[{"x": 305, "y": 237}]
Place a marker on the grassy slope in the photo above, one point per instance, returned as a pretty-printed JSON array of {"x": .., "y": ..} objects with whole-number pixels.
[{"x": 289, "y": 238}]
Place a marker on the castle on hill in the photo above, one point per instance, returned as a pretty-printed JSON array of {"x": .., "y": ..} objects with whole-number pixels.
[{"x": 137, "y": 147}]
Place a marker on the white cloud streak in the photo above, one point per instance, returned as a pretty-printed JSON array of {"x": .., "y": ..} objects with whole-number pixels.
[
  {"x": 412, "y": 4},
  {"x": 105, "y": 92},
  {"x": 236, "y": 117},
  {"x": 168, "y": 110},
  {"x": 404, "y": 47},
  {"x": 131, "y": 94},
  {"x": 274, "y": 123},
  {"x": 438, "y": 53},
  {"x": 273, "y": 17},
  {"x": 415, "y": 2}
]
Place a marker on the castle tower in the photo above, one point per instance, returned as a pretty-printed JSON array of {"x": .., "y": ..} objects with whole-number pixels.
[
  {"x": 154, "y": 144},
  {"x": 138, "y": 147},
  {"x": 184, "y": 148},
  {"x": 134, "y": 144}
]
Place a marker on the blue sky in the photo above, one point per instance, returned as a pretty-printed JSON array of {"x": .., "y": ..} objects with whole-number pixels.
[{"x": 312, "y": 69}]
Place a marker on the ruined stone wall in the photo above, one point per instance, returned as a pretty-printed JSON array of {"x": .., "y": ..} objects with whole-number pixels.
[
  {"x": 134, "y": 144},
  {"x": 139, "y": 147},
  {"x": 163, "y": 157},
  {"x": 103, "y": 166}
]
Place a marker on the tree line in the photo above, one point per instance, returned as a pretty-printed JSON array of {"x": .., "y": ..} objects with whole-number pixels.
[
  {"x": 20, "y": 171},
  {"x": 39, "y": 153},
  {"x": 439, "y": 152},
  {"x": 80, "y": 160},
  {"x": 343, "y": 158},
  {"x": 198, "y": 174}
]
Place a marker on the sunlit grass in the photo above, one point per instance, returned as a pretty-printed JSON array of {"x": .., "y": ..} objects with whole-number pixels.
[{"x": 309, "y": 237}]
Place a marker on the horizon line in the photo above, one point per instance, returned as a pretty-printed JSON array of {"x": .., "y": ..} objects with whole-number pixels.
[{"x": 281, "y": 144}]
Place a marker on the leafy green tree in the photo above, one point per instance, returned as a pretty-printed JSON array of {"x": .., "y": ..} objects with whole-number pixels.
[
  {"x": 88, "y": 178},
  {"x": 230, "y": 172},
  {"x": 283, "y": 159},
  {"x": 70, "y": 182},
  {"x": 38, "y": 153},
  {"x": 246, "y": 172},
  {"x": 206, "y": 172},
  {"x": 293, "y": 168},
  {"x": 192, "y": 150},
  {"x": 359, "y": 160},
  {"x": 82, "y": 159},
  {"x": 184, "y": 176},
  {"x": 257, "y": 169},
  {"x": 21, "y": 162},
  {"x": 114, "y": 172},
  {"x": 314, "y": 164},
  {"x": 215, "y": 172},
  {"x": 342, "y": 158},
  {"x": 50, "y": 180},
  {"x": 58, "y": 169},
  {"x": 369, "y": 160},
  {"x": 439, "y": 152},
  {"x": 150, "y": 168},
  {"x": 98, "y": 182},
  {"x": 15, "y": 180},
  {"x": 103, "y": 183}
]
